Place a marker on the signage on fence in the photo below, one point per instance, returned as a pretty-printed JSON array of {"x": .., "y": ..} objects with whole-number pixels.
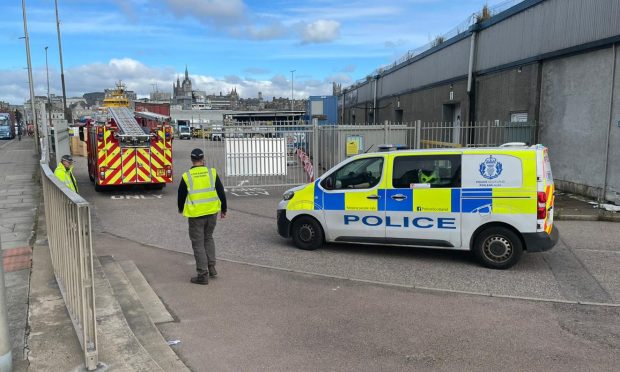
[
  {"x": 255, "y": 156},
  {"x": 354, "y": 145}
]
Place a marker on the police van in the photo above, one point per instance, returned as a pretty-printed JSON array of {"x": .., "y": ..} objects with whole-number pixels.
[{"x": 496, "y": 202}]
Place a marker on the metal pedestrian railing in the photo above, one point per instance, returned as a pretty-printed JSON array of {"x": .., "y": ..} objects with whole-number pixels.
[
  {"x": 269, "y": 154},
  {"x": 68, "y": 221}
]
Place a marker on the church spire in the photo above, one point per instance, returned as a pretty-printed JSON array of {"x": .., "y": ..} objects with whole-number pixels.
[{"x": 186, "y": 73}]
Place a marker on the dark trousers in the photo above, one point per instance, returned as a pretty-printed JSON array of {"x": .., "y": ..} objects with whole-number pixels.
[{"x": 201, "y": 235}]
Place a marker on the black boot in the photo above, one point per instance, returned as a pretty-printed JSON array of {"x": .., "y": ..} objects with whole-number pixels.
[
  {"x": 212, "y": 271},
  {"x": 200, "y": 279}
]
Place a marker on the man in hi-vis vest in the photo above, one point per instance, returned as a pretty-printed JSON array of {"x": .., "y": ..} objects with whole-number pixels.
[
  {"x": 201, "y": 196},
  {"x": 64, "y": 172}
]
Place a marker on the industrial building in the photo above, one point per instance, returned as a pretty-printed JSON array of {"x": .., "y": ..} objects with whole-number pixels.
[{"x": 549, "y": 62}]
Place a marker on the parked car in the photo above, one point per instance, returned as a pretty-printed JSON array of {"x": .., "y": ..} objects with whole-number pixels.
[{"x": 217, "y": 133}]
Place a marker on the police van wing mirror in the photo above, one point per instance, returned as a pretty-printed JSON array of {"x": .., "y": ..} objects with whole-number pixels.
[{"x": 329, "y": 183}]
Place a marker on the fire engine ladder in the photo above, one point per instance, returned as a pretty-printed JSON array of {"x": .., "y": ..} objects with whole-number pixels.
[{"x": 127, "y": 124}]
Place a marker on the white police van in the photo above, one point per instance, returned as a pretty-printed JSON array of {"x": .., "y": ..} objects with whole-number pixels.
[{"x": 496, "y": 202}]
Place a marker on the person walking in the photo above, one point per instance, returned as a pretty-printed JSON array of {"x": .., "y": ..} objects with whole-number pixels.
[
  {"x": 64, "y": 172},
  {"x": 201, "y": 196}
]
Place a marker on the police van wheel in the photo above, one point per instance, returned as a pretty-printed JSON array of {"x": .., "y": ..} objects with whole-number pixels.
[
  {"x": 307, "y": 233},
  {"x": 498, "y": 248}
]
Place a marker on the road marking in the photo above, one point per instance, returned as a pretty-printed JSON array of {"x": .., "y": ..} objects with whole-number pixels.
[
  {"x": 243, "y": 182},
  {"x": 135, "y": 196},
  {"x": 251, "y": 191}
]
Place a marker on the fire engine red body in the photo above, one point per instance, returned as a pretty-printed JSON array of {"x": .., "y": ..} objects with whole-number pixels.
[{"x": 129, "y": 148}]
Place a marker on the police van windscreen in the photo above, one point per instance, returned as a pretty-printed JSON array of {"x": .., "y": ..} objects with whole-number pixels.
[{"x": 359, "y": 174}]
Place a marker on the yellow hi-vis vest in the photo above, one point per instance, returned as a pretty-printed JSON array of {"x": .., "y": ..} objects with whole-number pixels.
[
  {"x": 201, "y": 198},
  {"x": 66, "y": 176}
]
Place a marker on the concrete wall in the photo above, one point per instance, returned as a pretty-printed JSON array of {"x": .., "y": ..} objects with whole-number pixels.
[
  {"x": 574, "y": 120},
  {"x": 613, "y": 171}
]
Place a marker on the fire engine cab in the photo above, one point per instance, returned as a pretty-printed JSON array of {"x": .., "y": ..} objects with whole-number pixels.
[{"x": 126, "y": 148}]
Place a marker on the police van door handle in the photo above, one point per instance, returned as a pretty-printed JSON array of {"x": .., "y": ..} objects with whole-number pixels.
[
  {"x": 373, "y": 197},
  {"x": 399, "y": 197}
]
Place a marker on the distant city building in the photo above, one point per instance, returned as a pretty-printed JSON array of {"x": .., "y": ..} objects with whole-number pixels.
[
  {"x": 336, "y": 89},
  {"x": 160, "y": 96},
  {"x": 94, "y": 99},
  {"x": 182, "y": 92}
]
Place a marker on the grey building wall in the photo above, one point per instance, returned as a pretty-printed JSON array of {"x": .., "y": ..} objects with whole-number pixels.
[
  {"x": 549, "y": 26},
  {"x": 574, "y": 120},
  {"x": 510, "y": 91}
]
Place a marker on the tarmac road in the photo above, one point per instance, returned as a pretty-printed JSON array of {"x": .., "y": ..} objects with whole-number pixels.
[{"x": 370, "y": 326}]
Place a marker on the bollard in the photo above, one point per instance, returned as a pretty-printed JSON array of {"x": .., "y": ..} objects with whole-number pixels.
[{"x": 6, "y": 355}]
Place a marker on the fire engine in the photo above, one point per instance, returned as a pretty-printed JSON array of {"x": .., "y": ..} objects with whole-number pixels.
[{"x": 126, "y": 148}]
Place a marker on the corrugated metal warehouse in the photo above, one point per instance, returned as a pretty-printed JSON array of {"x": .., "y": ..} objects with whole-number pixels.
[{"x": 551, "y": 62}]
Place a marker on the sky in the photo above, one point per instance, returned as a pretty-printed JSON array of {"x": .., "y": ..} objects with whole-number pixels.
[{"x": 250, "y": 45}]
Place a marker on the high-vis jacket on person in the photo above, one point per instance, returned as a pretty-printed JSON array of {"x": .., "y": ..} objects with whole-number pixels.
[
  {"x": 202, "y": 198},
  {"x": 66, "y": 176}
]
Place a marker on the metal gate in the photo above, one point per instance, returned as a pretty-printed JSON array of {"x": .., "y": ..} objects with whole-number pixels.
[{"x": 265, "y": 154}]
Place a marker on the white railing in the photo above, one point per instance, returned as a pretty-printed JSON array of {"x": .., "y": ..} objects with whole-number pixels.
[{"x": 67, "y": 216}]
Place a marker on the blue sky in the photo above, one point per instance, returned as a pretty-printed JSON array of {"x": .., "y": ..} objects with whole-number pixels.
[{"x": 247, "y": 44}]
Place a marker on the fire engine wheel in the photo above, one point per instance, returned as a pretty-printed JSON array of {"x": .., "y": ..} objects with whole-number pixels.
[
  {"x": 498, "y": 248},
  {"x": 91, "y": 177},
  {"x": 99, "y": 188},
  {"x": 307, "y": 233}
]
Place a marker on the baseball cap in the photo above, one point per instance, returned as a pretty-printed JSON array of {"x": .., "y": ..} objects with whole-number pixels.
[
  {"x": 197, "y": 154},
  {"x": 67, "y": 158}
]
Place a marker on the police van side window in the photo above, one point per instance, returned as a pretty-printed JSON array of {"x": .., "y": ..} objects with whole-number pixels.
[
  {"x": 359, "y": 174},
  {"x": 436, "y": 171}
]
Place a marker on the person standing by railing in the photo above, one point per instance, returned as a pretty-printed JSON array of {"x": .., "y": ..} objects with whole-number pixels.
[{"x": 64, "y": 172}]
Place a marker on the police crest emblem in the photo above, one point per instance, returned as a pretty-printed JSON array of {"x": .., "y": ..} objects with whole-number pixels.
[{"x": 490, "y": 168}]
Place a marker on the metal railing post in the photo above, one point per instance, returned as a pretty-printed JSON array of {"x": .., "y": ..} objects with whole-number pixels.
[
  {"x": 488, "y": 133},
  {"x": 6, "y": 355},
  {"x": 386, "y": 128},
  {"x": 418, "y": 133},
  {"x": 315, "y": 149}
]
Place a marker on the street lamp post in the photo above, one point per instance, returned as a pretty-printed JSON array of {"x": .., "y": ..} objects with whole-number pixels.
[
  {"x": 292, "y": 93},
  {"x": 30, "y": 82},
  {"x": 49, "y": 100},
  {"x": 62, "y": 70}
]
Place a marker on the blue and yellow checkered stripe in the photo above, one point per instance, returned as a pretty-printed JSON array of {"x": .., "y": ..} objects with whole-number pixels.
[{"x": 478, "y": 200}]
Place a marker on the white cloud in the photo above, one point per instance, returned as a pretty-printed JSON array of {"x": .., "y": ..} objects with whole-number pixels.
[
  {"x": 275, "y": 30},
  {"x": 320, "y": 31},
  {"x": 217, "y": 11},
  {"x": 141, "y": 78}
]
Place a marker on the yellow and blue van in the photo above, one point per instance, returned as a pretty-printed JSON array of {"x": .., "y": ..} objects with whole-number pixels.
[{"x": 496, "y": 202}]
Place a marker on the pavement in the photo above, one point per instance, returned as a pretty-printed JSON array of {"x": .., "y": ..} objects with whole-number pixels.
[
  {"x": 340, "y": 308},
  {"x": 19, "y": 201}
]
